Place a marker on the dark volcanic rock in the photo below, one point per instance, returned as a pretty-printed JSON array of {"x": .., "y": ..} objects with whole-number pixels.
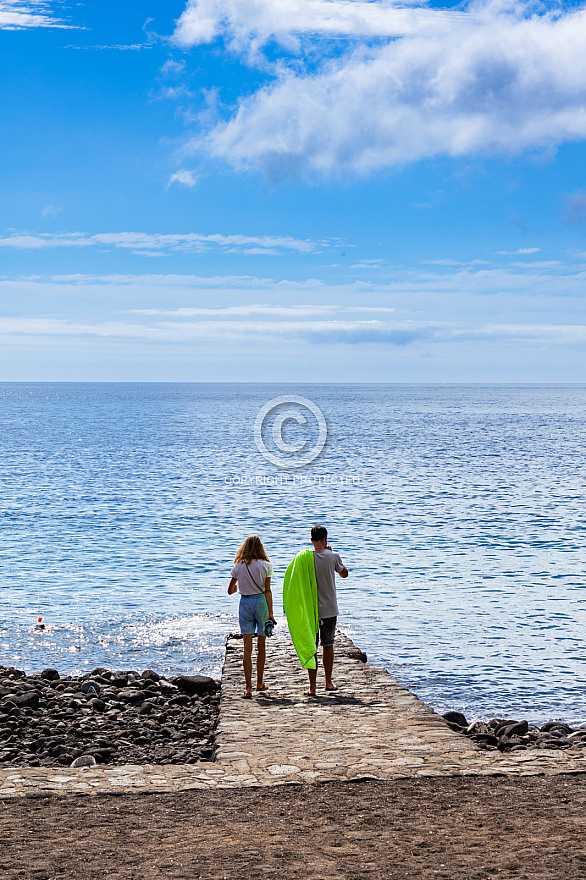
[
  {"x": 356, "y": 654},
  {"x": 84, "y": 761},
  {"x": 132, "y": 695},
  {"x": 507, "y": 743},
  {"x": 105, "y": 717},
  {"x": 518, "y": 729},
  {"x": 577, "y": 737},
  {"x": 89, "y": 687},
  {"x": 145, "y": 708},
  {"x": 28, "y": 700},
  {"x": 195, "y": 684},
  {"x": 119, "y": 680},
  {"x": 553, "y": 726},
  {"x": 485, "y": 738},
  {"x": 478, "y": 727},
  {"x": 506, "y": 734},
  {"x": 455, "y": 718},
  {"x": 501, "y": 724},
  {"x": 102, "y": 756},
  {"x": 548, "y": 742}
]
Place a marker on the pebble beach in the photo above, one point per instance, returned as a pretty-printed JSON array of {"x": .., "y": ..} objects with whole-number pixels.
[{"x": 105, "y": 717}]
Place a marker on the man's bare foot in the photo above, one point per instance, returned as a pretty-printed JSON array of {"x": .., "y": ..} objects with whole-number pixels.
[
  {"x": 247, "y": 695},
  {"x": 262, "y": 687},
  {"x": 330, "y": 686},
  {"x": 309, "y": 694}
]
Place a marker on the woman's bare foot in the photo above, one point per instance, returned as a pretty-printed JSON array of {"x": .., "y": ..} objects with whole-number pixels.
[
  {"x": 262, "y": 687},
  {"x": 247, "y": 695}
]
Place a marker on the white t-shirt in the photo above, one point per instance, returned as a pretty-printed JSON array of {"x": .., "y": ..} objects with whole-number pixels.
[{"x": 251, "y": 578}]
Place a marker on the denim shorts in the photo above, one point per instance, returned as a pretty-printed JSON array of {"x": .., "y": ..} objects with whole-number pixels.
[
  {"x": 253, "y": 610},
  {"x": 327, "y": 632}
]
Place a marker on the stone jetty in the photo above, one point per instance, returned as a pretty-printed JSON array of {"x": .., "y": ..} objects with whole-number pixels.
[{"x": 370, "y": 728}]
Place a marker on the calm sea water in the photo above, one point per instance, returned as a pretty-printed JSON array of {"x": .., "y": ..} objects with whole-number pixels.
[{"x": 459, "y": 510}]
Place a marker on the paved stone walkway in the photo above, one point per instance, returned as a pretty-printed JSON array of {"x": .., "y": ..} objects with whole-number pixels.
[{"x": 370, "y": 727}]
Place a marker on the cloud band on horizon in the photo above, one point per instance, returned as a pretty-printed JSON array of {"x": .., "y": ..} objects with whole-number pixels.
[
  {"x": 369, "y": 332},
  {"x": 160, "y": 243}
]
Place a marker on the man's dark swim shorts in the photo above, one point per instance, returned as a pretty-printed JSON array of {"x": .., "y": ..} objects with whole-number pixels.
[{"x": 327, "y": 632}]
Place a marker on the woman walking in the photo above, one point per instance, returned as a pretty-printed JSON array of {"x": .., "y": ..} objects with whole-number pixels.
[{"x": 251, "y": 576}]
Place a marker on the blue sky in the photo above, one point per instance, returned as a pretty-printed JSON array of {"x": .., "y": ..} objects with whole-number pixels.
[{"x": 292, "y": 190}]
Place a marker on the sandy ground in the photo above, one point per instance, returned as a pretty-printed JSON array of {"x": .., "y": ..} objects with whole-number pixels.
[{"x": 443, "y": 828}]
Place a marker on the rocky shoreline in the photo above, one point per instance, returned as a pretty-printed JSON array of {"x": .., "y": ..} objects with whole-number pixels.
[
  {"x": 127, "y": 717},
  {"x": 105, "y": 717},
  {"x": 509, "y": 735}
]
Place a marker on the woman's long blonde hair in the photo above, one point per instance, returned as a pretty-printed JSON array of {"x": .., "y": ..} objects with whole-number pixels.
[{"x": 251, "y": 550}]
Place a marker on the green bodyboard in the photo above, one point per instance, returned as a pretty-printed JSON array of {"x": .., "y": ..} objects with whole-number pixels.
[{"x": 300, "y": 606}]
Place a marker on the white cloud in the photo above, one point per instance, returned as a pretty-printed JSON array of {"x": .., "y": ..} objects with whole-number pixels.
[
  {"x": 50, "y": 211},
  {"x": 531, "y": 250},
  {"x": 368, "y": 264},
  {"x": 57, "y": 327},
  {"x": 433, "y": 315},
  {"x": 248, "y": 24},
  {"x": 152, "y": 243},
  {"x": 457, "y": 285},
  {"x": 184, "y": 177},
  {"x": 19, "y": 14},
  {"x": 268, "y": 310},
  {"x": 122, "y": 47},
  {"x": 172, "y": 68},
  {"x": 539, "y": 264},
  {"x": 410, "y": 333},
  {"x": 161, "y": 280},
  {"x": 396, "y": 333},
  {"x": 171, "y": 281},
  {"x": 492, "y": 79}
]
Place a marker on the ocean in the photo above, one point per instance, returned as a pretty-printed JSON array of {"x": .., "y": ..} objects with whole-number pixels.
[{"x": 459, "y": 511}]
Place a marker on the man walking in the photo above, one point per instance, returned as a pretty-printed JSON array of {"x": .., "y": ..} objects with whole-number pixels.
[{"x": 326, "y": 564}]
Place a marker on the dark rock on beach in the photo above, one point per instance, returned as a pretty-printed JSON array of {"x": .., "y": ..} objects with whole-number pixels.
[
  {"x": 195, "y": 684},
  {"x": 507, "y": 734},
  {"x": 105, "y": 717},
  {"x": 356, "y": 654},
  {"x": 456, "y": 720}
]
